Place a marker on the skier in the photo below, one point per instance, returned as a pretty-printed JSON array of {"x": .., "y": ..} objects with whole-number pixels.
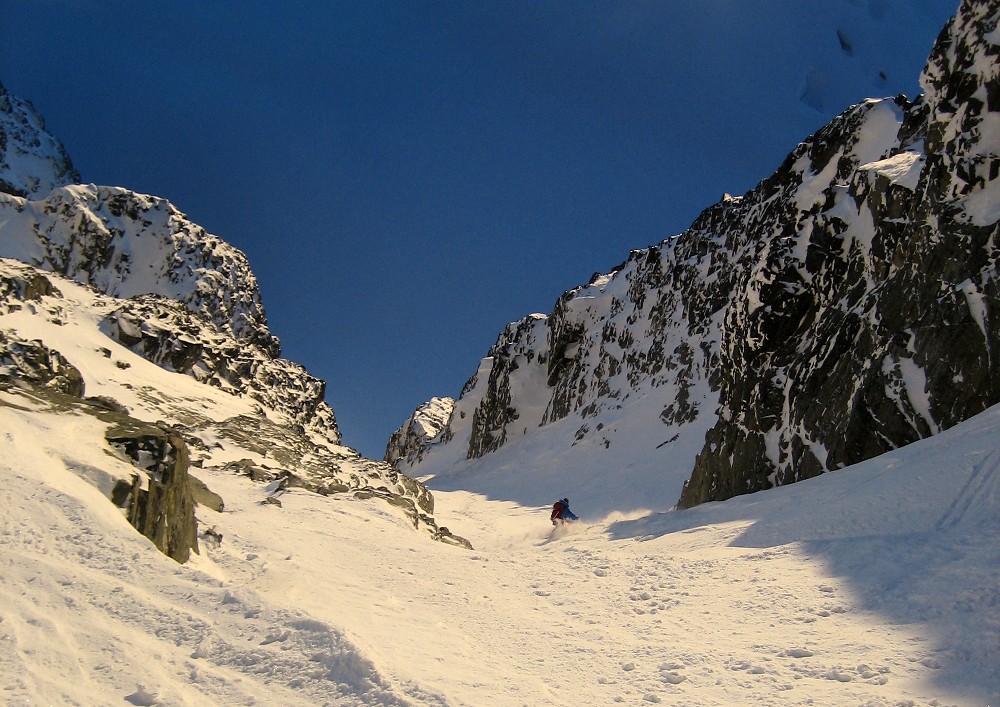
[{"x": 561, "y": 512}]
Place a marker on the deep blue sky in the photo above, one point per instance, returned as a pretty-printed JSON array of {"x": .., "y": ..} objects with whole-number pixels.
[{"x": 406, "y": 178}]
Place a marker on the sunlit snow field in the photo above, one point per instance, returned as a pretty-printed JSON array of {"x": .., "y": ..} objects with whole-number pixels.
[{"x": 873, "y": 585}]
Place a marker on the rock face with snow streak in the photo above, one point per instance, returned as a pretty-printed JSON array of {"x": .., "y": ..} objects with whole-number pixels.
[
  {"x": 424, "y": 425},
  {"x": 844, "y": 307},
  {"x": 263, "y": 422},
  {"x": 874, "y": 323},
  {"x": 167, "y": 333}
]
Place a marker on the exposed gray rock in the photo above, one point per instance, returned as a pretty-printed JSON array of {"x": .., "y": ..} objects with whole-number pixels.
[
  {"x": 27, "y": 285},
  {"x": 167, "y": 333},
  {"x": 514, "y": 358},
  {"x": 293, "y": 460},
  {"x": 159, "y": 498},
  {"x": 158, "y": 502},
  {"x": 107, "y": 403},
  {"x": 33, "y": 362},
  {"x": 445, "y": 536},
  {"x": 292, "y": 430},
  {"x": 92, "y": 234},
  {"x": 205, "y": 496}
]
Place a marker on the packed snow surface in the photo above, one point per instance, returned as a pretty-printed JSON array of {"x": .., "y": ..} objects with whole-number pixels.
[{"x": 873, "y": 585}]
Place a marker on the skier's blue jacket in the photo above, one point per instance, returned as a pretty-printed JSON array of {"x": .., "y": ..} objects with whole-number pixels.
[{"x": 561, "y": 511}]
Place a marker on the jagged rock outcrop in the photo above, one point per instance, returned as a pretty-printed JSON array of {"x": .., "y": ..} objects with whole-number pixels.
[
  {"x": 32, "y": 162},
  {"x": 277, "y": 414},
  {"x": 305, "y": 463},
  {"x": 188, "y": 300},
  {"x": 285, "y": 440},
  {"x": 167, "y": 291},
  {"x": 844, "y": 307},
  {"x": 32, "y": 361},
  {"x": 168, "y": 334},
  {"x": 158, "y": 501},
  {"x": 424, "y": 425},
  {"x": 35, "y": 363}
]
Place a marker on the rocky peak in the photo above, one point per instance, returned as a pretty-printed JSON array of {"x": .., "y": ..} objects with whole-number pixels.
[
  {"x": 127, "y": 244},
  {"x": 32, "y": 162},
  {"x": 107, "y": 281}
]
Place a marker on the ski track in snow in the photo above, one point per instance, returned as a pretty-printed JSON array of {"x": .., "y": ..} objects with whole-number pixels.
[{"x": 982, "y": 486}]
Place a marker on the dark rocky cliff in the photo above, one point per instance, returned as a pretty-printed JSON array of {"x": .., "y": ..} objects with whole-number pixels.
[{"x": 876, "y": 323}]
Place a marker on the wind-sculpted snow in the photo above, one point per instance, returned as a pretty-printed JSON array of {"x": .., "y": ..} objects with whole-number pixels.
[
  {"x": 32, "y": 162},
  {"x": 842, "y": 308}
]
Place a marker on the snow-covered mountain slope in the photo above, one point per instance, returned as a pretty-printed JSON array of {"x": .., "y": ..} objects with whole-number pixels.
[
  {"x": 32, "y": 162},
  {"x": 876, "y": 585},
  {"x": 117, "y": 309},
  {"x": 114, "y": 306},
  {"x": 842, "y": 308},
  {"x": 134, "y": 353},
  {"x": 166, "y": 383},
  {"x": 187, "y": 299}
]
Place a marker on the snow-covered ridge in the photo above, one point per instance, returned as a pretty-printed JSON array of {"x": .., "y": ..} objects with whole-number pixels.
[
  {"x": 186, "y": 299},
  {"x": 118, "y": 297},
  {"x": 123, "y": 243},
  {"x": 837, "y": 311}
]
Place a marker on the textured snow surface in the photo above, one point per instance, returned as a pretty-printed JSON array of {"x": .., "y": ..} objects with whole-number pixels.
[
  {"x": 816, "y": 591},
  {"x": 876, "y": 585}
]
